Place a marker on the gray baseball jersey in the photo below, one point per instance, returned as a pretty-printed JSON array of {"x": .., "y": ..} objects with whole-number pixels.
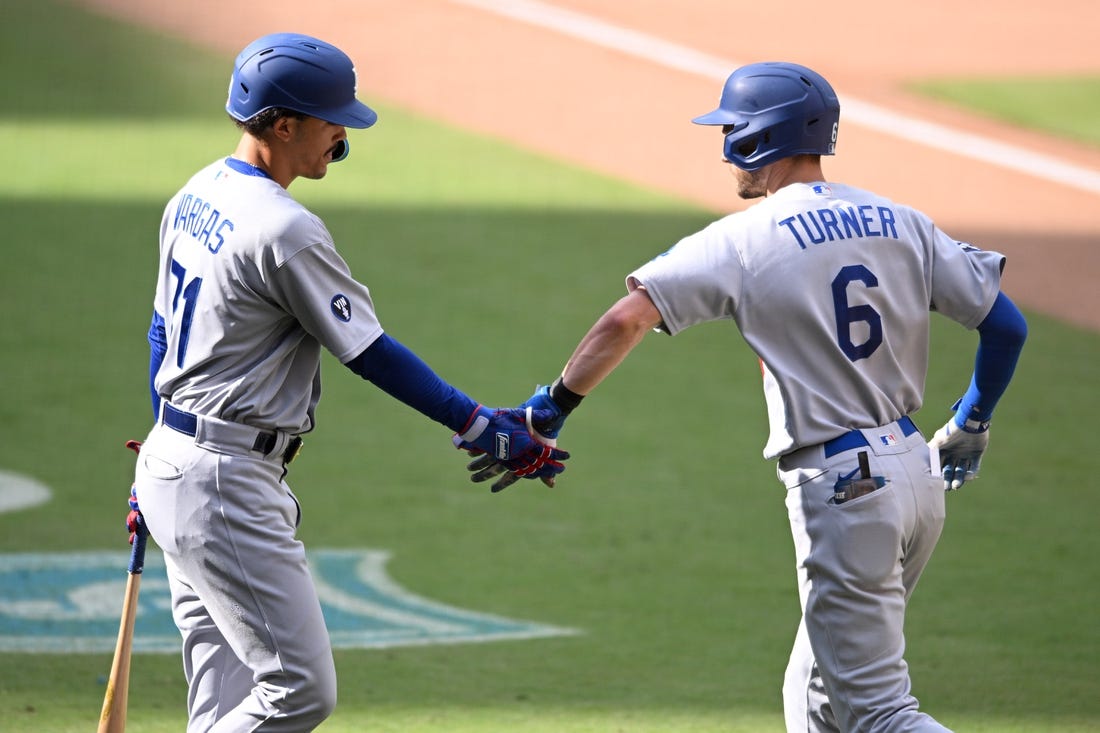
[
  {"x": 818, "y": 277},
  {"x": 251, "y": 287}
]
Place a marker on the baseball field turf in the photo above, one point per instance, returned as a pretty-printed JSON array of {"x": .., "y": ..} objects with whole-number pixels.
[{"x": 664, "y": 549}]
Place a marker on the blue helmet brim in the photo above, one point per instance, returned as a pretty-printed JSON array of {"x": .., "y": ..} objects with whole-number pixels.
[
  {"x": 716, "y": 117},
  {"x": 355, "y": 114}
]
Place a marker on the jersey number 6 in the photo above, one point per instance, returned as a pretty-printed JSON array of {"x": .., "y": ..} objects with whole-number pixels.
[
  {"x": 190, "y": 295},
  {"x": 847, "y": 314}
]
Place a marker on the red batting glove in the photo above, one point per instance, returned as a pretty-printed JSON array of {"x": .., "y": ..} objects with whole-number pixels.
[{"x": 135, "y": 510}]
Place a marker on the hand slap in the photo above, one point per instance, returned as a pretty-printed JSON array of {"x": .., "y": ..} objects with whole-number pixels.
[
  {"x": 550, "y": 419},
  {"x": 506, "y": 446},
  {"x": 543, "y": 463}
]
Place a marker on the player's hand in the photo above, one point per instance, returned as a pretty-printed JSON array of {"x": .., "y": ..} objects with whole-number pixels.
[
  {"x": 544, "y": 467},
  {"x": 545, "y": 431},
  {"x": 135, "y": 522},
  {"x": 960, "y": 453},
  {"x": 505, "y": 445}
]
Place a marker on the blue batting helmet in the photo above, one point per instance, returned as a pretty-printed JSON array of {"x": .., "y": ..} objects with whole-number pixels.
[
  {"x": 774, "y": 110},
  {"x": 299, "y": 73}
]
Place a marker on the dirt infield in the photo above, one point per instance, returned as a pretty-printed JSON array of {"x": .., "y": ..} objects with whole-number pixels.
[{"x": 625, "y": 110}]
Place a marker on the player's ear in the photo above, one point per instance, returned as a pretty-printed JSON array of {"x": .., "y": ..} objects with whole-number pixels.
[{"x": 283, "y": 127}]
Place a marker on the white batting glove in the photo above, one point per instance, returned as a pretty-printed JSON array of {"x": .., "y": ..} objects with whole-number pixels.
[{"x": 960, "y": 453}]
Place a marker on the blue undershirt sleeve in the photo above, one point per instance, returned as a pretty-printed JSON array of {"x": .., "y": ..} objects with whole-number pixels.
[
  {"x": 1001, "y": 338},
  {"x": 400, "y": 373},
  {"x": 158, "y": 346}
]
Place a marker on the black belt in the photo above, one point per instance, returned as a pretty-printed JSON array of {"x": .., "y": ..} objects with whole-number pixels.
[
  {"x": 856, "y": 439},
  {"x": 188, "y": 423}
]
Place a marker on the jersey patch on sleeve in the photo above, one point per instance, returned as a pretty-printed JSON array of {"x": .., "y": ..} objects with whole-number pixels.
[{"x": 341, "y": 307}]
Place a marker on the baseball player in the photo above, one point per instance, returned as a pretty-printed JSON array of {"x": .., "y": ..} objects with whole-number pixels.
[
  {"x": 831, "y": 286},
  {"x": 250, "y": 289}
]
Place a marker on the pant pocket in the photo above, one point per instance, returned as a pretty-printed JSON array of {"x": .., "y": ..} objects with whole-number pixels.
[{"x": 160, "y": 468}]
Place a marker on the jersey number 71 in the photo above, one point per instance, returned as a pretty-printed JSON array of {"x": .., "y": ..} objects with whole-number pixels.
[{"x": 190, "y": 294}]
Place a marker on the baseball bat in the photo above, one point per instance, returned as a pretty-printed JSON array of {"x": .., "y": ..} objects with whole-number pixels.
[{"x": 112, "y": 719}]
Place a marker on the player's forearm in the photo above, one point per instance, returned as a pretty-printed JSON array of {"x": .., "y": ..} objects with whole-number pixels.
[
  {"x": 609, "y": 341},
  {"x": 397, "y": 371},
  {"x": 158, "y": 346},
  {"x": 1001, "y": 339}
]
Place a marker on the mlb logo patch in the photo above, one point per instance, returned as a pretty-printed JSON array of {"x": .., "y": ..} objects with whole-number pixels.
[{"x": 888, "y": 439}]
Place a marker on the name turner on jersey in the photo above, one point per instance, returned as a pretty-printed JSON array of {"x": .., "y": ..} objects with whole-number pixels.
[{"x": 820, "y": 225}]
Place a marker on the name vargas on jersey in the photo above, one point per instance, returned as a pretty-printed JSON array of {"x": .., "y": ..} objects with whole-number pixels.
[{"x": 202, "y": 221}]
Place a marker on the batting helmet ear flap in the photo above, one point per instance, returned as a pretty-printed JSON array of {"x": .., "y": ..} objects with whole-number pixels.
[
  {"x": 746, "y": 148},
  {"x": 740, "y": 147}
]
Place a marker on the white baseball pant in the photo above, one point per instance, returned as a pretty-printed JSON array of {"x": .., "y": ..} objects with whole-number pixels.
[
  {"x": 858, "y": 562},
  {"x": 256, "y": 652}
]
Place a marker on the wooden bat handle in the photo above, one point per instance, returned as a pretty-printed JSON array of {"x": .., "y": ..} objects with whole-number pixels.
[{"x": 113, "y": 717}]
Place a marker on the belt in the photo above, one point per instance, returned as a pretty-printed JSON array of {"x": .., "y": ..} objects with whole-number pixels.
[
  {"x": 856, "y": 439},
  {"x": 264, "y": 442}
]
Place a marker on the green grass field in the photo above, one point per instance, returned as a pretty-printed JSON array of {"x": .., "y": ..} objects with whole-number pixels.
[
  {"x": 1066, "y": 106},
  {"x": 666, "y": 542}
]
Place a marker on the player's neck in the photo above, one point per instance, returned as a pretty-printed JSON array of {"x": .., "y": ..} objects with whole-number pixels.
[
  {"x": 799, "y": 169},
  {"x": 258, "y": 155}
]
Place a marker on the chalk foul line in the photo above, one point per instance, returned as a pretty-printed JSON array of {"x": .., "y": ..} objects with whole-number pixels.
[{"x": 865, "y": 114}]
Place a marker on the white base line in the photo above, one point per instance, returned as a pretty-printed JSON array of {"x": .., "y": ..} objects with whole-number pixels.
[{"x": 670, "y": 55}]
